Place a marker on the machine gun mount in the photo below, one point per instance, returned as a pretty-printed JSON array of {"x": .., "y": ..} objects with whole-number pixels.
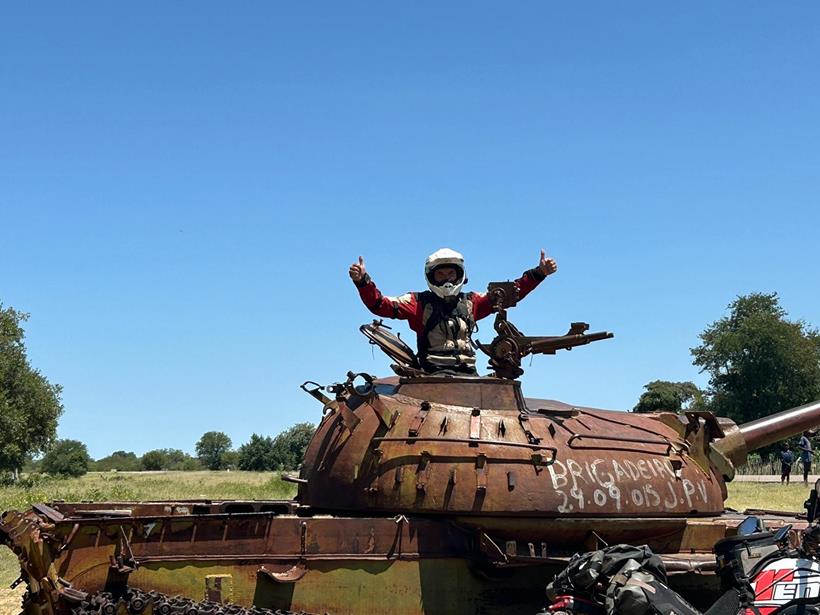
[{"x": 510, "y": 345}]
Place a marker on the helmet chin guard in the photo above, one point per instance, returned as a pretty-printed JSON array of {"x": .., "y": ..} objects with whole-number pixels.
[{"x": 445, "y": 257}]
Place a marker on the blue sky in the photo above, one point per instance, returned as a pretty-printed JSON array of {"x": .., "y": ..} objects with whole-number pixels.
[{"x": 183, "y": 186}]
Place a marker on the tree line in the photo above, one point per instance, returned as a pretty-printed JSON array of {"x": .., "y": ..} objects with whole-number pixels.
[{"x": 213, "y": 452}]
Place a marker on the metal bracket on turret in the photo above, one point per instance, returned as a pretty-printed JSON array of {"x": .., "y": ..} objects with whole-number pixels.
[{"x": 350, "y": 420}]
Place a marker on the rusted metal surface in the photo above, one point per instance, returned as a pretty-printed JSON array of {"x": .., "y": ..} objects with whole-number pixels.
[
  {"x": 586, "y": 462},
  {"x": 316, "y": 564},
  {"x": 413, "y": 440},
  {"x": 312, "y": 564},
  {"x": 461, "y": 391}
]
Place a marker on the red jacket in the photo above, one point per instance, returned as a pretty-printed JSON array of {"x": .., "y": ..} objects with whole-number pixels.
[{"x": 407, "y": 307}]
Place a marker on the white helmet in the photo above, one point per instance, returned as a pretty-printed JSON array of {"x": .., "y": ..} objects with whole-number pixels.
[{"x": 445, "y": 258}]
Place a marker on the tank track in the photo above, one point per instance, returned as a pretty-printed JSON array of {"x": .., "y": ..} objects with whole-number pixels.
[{"x": 138, "y": 602}]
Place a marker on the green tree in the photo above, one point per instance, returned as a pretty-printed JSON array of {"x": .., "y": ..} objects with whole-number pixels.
[
  {"x": 29, "y": 404},
  {"x": 152, "y": 460},
  {"x": 258, "y": 455},
  {"x": 67, "y": 458},
  {"x": 758, "y": 361},
  {"x": 168, "y": 459},
  {"x": 121, "y": 461},
  {"x": 180, "y": 460},
  {"x": 289, "y": 446},
  {"x": 211, "y": 449},
  {"x": 662, "y": 395}
]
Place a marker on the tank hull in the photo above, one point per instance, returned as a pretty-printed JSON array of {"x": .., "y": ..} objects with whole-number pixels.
[{"x": 288, "y": 558}]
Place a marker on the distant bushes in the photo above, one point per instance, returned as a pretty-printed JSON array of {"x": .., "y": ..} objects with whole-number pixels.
[
  {"x": 169, "y": 459},
  {"x": 260, "y": 454},
  {"x": 25, "y": 481},
  {"x": 121, "y": 461},
  {"x": 284, "y": 452}
]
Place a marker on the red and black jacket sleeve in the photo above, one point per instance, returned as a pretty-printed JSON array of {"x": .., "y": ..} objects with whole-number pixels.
[{"x": 404, "y": 307}]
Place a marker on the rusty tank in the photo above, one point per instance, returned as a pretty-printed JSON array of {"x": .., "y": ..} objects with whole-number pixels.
[{"x": 419, "y": 494}]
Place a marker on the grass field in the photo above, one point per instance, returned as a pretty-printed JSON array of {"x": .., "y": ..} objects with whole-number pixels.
[
  {"x": 98, "y": 487},
  {"x": 254, "y": 485}
]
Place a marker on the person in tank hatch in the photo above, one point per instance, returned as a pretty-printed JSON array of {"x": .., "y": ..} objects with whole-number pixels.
[{"x": 443, "y": 317}]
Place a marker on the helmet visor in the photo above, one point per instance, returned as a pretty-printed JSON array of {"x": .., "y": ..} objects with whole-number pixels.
[{"x": 445, "y": 274}]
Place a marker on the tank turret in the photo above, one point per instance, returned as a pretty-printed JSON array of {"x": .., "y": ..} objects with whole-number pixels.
[
  {"x": 438, "y": 444},
  {"x": 449, "y": 444}
]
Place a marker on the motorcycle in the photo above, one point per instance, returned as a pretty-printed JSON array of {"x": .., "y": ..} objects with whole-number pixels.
[{"x": 761, "y": 573}]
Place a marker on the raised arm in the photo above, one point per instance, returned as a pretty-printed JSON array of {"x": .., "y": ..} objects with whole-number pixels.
[
  {"x": 482, "y": 305},
  {"x": 404, "y": 307}
]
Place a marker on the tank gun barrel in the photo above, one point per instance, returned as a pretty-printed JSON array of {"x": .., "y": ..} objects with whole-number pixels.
[
  {"x": 740, "y": 440},
  {"x": 549, "y": 345},
  {"x": 770, "y": 429}
]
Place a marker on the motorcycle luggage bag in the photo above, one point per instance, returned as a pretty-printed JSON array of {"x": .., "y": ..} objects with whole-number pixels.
[
  {"x": 737, "y": 557},
  {"x": 585, "y": 570},
  {"x": 637, "y": 592}
]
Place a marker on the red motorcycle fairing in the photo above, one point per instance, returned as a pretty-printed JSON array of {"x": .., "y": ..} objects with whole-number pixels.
[{"x": 783, "y": 581}]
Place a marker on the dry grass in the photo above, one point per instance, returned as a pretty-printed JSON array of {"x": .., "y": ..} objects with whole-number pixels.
[
  {"x": 770, "y": 496},
  {"x": 253, "y": 485},
  {"x": 102, "y": 486}
]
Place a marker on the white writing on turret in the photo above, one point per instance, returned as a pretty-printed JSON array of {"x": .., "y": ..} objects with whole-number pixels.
[{"x": 623, "y": 484}]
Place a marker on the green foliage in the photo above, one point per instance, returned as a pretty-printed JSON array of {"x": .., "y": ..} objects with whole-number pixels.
[
  {"x": 759, "y": 362},
  {"x": 665, "y": 396},
  {"x": 121, "y": 461},
  {"x": 33, "y": 465},
  {"x": 67, "y": 458},
  {"x": 29, "y": 403},
  {"x": 27, "y": 481},
  {"x": 285, "y": 452},
  {"x": 168, "y": 459},
  {"x": 231, "y": 460},
  {"x": 153, "y": 460},
  {"x": 289, "y": 446},
  {"x": 258, "y": 455},
  {"x": 211, "y": 450}
]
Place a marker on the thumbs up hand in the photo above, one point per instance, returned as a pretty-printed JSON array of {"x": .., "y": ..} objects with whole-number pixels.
[
  {"x": 548, "y": 266},
  {"x": 357, "y": 270}
]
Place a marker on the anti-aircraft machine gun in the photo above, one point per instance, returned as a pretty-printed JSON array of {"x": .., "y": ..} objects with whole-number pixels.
[{"x": 510, "y": 345}]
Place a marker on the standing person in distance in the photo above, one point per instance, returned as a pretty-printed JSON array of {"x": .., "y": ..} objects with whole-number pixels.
[
  {"x": 786, "y": 460},
  {"x": 805, "y": 455}
]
